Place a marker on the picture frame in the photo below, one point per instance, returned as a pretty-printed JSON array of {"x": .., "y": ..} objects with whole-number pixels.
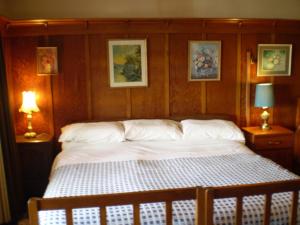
[
  {"x": 274, "y": 59},
  {"x": 46, "y": 60},
  {"x": 204, "y": 61},
  {"x": 127, "y": 63}
]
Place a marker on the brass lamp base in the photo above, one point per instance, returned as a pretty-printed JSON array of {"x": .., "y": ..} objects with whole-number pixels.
[
  {"x": 265, "y": 126},
  {"x": 265, "y": 116},
  {"x": 30, "y": 134}
]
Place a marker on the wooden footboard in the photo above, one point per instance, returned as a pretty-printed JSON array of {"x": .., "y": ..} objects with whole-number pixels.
[
  {"x": 102, "y": 201},
  {"x": 204, "y": 198}
]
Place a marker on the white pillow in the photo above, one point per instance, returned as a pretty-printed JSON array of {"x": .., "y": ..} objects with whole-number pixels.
[
  {"x": 93, "y": 132},
  {"x": 152, "y": 130},
  {"x": 211, "y": 129}
]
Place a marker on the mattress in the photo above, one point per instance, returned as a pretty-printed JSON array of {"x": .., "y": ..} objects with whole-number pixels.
[{"x": 90, "y": 169}]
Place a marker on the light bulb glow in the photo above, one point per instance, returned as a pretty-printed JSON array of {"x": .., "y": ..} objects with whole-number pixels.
[{"x": 29, "y": 102}]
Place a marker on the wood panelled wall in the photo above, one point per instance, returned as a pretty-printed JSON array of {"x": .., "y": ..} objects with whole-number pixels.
[{"x": 81, "y": 90}]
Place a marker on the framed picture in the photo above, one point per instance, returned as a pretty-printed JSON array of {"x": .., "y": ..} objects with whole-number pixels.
[
  {"x": 127, "y": 63},
  {"x": 274, "y": 60},
  {"x": 46, "y": 60},
  {"x": 204, "y": 60}
]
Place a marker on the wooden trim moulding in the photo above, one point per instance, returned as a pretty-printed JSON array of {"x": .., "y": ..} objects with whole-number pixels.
[{"x": 149, "y": 25}]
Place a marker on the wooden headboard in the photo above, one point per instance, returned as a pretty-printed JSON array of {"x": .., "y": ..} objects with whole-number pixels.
[{"x": 207, "y": 116}]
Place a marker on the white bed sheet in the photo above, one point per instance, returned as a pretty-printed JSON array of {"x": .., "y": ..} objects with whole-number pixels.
[{"x": 75, "y": 153}]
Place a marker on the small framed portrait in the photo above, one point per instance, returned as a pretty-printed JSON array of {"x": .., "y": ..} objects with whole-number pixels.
[
  {"x": 274, "y": 60},
  {"x": 127, "y": 63},
  {"x": 204, "y": 60},
  {"x": 46, "y": 60}
]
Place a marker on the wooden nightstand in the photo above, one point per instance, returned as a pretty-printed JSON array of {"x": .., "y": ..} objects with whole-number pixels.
[
  {"x": 36, "y": 156},
  {"x": 275, "y": 144}
]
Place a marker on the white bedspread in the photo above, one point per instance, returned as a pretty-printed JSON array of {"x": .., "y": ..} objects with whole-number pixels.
[{"x": 88, "y": 169}]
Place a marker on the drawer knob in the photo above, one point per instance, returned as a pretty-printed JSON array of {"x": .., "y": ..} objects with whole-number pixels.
[{"x": 274, "y": 142}]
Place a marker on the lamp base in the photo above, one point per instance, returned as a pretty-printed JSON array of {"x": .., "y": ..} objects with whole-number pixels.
[
  {"x": 265, "y": 126},
  {"x": 265, "y": 117},
  {"x": 30, "y": 134}
]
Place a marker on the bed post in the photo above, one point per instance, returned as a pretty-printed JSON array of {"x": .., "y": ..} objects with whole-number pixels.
[
  {"x": 33, "y": 211},
  {"x": 204, "y": 206},
  {"x": 200, "y": 206},
  {"x": 209, "y": 203},
  {"x": 294, "y": 208}
]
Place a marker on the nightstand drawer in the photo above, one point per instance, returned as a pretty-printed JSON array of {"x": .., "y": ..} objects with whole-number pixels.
[
  {"x": 275, "y": 144},
  {"x": 271, "y": 142}
]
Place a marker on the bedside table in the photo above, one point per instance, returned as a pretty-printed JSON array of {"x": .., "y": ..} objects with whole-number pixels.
[
  {"x": 275, "y": 144},
  {"x": 36, "y": 156}
]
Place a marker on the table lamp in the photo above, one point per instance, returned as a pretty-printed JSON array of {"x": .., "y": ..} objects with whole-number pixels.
[
  {"x": 264, "y": 98},
  {"x": 29, "y": 106}
]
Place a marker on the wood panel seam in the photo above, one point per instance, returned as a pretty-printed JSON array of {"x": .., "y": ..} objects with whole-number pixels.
[
  {"x": 88, "y": 77},
  {"x": 203, "y": 85},
  {"x": 167, "y": 76},
  {"x": 238, "y": 81}
]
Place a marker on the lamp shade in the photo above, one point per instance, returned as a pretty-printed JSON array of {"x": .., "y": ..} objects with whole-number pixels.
[
  {"x": 264, "y": 95},
  {"x": 29, "y": 103}
]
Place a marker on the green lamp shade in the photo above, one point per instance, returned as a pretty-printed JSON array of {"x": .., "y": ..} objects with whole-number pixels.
[{"x": 264, "y": 95}]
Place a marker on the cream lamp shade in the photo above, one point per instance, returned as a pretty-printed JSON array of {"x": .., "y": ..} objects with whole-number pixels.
[
  {"x": 29, "y": 102},
  {"x": 29, "y": 106}
]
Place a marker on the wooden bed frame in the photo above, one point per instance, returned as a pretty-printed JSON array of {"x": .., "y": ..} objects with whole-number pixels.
[{"x": 204, "y": 199}]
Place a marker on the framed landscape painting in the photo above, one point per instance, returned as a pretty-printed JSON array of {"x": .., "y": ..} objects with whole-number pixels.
[
  {"x": 127, "y": 63},
  {"x": 46, "y": 60},
  {"x": 274, "y": 60},
  {"x": 204, "y": 60}
]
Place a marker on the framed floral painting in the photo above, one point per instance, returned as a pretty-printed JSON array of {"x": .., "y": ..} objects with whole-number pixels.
[
  {"x": 204, "y": 60},
  {"x": 127, "y": 63},
  {"x": 274, "y": 60},
  {"x": 46, "y": 60}
]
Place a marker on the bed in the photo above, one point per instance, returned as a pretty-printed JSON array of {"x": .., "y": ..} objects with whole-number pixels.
[{"x": 164, "y": 172}]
